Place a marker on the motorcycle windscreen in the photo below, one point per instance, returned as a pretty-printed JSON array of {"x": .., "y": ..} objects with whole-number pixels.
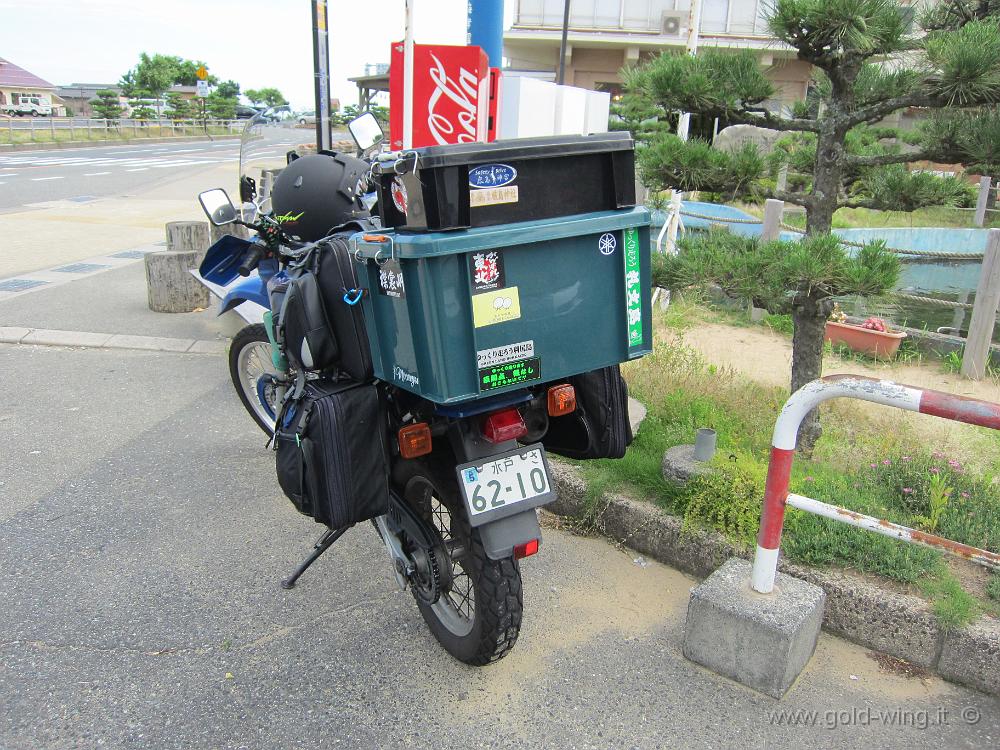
[{"x": 223, "y": 259}]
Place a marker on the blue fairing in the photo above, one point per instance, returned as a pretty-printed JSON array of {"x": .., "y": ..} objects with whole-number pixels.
[
  {"x": 223, "y": 259},
  {"x": 251, "y": 289}
]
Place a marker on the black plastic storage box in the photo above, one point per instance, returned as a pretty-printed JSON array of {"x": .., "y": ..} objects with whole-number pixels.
[{"x": 522, "y": 179}]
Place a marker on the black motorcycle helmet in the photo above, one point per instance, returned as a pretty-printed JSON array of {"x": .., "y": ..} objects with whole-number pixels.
[{"x": 318, "y": 192}]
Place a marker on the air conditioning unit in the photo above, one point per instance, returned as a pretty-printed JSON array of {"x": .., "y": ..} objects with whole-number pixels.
[{"x": 672, "y": 22}]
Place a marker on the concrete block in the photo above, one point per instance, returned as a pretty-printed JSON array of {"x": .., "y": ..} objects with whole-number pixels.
[
  {"x": 971, "y": 656},
  {"x": 892, "y": 622},
  {"x": 761, "y": 640},
  {"x": 66, "y": 338},
  {"x": 12, "y": 335},
  {"x": 679, "y": 465},
  {"x": 150, "y": 343}
]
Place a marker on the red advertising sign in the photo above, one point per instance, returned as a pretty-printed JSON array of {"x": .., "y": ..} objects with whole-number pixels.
[{"x": 451, "y": 88}]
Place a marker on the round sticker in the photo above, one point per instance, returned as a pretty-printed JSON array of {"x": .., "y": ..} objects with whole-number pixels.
[
  {"x": 607, "y": 243},
  {"x": 398, "y": 192}
]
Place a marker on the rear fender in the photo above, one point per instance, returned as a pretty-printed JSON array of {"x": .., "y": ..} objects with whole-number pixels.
[{"x": 500, "y": 537}]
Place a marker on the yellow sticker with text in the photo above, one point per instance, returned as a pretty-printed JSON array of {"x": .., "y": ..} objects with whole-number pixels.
[{"x": 497, "y": 306}]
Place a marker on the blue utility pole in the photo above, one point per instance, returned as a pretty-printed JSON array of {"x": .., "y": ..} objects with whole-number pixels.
[{"x": 485, "y": 28}]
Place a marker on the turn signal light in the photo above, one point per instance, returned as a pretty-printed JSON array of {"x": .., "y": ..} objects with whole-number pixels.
[
  {"x": 504, "y": 425},
  {"x": 526, "y": 550},
  {"x": 562, "y": 400},
  {"x": 414, "y": 440}
]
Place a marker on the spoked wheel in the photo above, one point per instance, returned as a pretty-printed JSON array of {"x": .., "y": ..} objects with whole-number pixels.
[
  {"x": 477, "y": 616},
  {"x": 249, "y": 363}
]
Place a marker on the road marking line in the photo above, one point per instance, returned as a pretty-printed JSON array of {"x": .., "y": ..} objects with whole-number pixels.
[
  {"x": 42, "y": 179},
  {"x": 94, "y": 174},
  {"x": 140, "y": 169}
]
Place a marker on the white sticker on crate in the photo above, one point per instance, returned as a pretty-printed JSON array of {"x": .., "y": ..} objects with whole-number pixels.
[
  {"x": 501, "y": 355},
  {"x": 493, "y": 196}
]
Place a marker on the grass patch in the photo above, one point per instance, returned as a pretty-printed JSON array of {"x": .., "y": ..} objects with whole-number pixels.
[
  {"x": 856, "y": 464},
  {"x": 953, "y": 605}
]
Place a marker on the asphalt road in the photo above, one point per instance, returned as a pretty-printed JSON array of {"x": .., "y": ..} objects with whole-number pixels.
[
  {"x": 144, "y": 537},
  {"x": 28, "y": 177}
]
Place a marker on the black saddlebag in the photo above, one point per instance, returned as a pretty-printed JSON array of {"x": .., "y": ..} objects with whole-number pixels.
[
  {"x": 322, "y": 326},
  {"x": 332, "y": 453},
  {"x": 599, "y": 428}
]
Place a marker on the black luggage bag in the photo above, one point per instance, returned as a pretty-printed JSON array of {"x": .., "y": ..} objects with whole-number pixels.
[
  {"x": 332, "y": 452},
  {"x": 599, "y": 428},
  {"x": 321, "y": 321}
]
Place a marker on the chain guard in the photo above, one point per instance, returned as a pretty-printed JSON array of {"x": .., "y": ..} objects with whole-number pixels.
[{"x": 424, "y": 549}]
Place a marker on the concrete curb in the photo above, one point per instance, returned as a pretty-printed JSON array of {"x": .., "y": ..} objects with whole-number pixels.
[
  {"x": 90, "y": 340},
  {"x": 896, "y": 624},
  {"x": 50, "y": 145}
]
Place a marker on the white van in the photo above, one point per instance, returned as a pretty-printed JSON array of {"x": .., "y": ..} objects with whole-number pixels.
[{"x": 28, "y": 105}]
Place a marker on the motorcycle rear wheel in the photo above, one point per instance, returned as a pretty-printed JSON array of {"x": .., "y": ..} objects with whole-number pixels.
[
  {"x": 477, "y": 620},
  {"x": 249, "y": 360}
]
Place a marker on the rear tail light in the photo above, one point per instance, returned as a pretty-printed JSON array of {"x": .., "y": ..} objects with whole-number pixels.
[
  {"x": 504, "y": 425},
  {"x": 526, "y": 550},
  {"x": 414, "y": 440},
  {"x": 562, "y": 400}
]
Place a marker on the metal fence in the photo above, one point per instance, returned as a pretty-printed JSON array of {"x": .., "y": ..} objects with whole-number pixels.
[
  {"x": 808, "y": 397},
  {"x": 53, "y": 129}
]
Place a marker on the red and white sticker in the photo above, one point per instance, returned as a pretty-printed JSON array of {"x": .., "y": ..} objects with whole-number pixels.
[{"x": 398, "y": 191}]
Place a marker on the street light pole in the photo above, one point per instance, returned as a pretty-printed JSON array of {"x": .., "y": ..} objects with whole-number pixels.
[{"x": 408, "y": 76}]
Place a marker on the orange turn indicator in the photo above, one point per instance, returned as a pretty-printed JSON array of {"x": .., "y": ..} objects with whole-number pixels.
[
  {"x": 562, "y": 400},
  {"x": 414, "y": 440}
]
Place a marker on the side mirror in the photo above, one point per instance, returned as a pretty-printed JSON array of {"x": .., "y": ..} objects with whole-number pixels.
[
  {"x": 217, "y": 206},
  {"x": 366, "y": 131}
]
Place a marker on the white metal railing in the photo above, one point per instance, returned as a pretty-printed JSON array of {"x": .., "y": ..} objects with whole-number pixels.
[{"x": 49, "y": 129}]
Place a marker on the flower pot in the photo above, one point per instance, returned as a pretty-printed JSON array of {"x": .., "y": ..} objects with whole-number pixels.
[{"x": 878, "y": 344}]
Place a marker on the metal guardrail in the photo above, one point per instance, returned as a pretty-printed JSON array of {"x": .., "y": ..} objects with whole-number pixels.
[
  {"x": 804, "y": 400},
  {"x": 51, "y": 129}
]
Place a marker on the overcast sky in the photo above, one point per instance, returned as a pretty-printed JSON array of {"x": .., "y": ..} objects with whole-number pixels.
[{"x": 255, "y": 42}]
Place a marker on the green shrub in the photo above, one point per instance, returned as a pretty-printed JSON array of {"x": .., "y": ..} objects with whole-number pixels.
[{"x": 728, "y": 499}]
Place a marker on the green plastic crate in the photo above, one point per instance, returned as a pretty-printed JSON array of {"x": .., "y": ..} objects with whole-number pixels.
[{"x": 461, "y": 315}]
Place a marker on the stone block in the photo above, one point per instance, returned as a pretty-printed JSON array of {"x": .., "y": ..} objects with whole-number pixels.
[{"x": 760, "y": 640}]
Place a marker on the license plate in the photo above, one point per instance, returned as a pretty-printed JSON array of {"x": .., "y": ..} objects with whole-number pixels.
[{"x": 499, "y": 482}]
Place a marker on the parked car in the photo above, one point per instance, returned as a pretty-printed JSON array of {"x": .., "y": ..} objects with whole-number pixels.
[
  {"x": 243, "y": 112},
  {"x": 307, "y": 118},
  {"x": 28, "y": 105}
]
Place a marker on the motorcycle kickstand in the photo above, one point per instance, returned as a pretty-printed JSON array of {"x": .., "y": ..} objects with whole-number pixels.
[{"x": 322, "y": 545}]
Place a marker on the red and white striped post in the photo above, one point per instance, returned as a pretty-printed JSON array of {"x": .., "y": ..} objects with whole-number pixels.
[{"x": 936, "y": 403}]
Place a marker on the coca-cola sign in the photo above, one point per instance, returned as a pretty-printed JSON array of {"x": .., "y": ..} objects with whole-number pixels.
[{"x": 450, "y": 95}]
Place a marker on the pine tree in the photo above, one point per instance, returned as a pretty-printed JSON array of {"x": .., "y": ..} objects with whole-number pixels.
[{"x": 868, "y": 63}]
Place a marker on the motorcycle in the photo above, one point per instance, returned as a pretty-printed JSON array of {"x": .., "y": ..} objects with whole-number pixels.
[{"x": 452, "y": 539}]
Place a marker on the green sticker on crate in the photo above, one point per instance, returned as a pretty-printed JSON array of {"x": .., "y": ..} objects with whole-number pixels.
[
  {"x": 633, "y": 287},
  {"x": 510, "y": 373}
]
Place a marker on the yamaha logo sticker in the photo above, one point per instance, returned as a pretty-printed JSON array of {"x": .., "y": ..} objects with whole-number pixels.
[
  {"x": 607, "y": 243},
  {"x": 491, "y": 175}
]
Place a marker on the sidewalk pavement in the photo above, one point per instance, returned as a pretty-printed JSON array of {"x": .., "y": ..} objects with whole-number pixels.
[
  {"x": 58, "y": 232},
  {"x": 145, "y": 535}
]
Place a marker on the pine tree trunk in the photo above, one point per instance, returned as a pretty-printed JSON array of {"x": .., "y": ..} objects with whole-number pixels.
[
  {"x": 809, "y": 313},
  {"x": 809, "y": 317}
]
